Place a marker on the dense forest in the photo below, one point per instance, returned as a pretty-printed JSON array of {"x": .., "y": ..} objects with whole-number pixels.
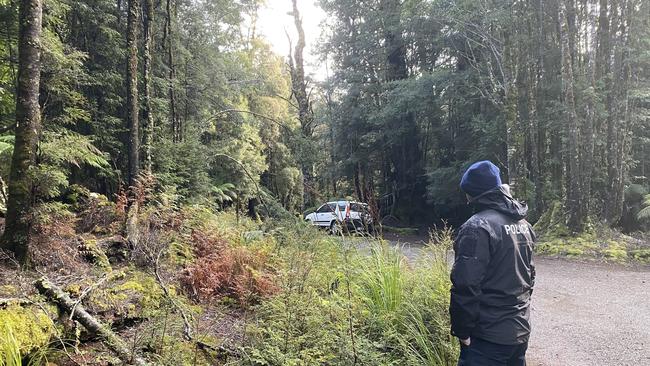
[
  {"x": 555, "y": 92},
  {"x": 174, "y": 122}
]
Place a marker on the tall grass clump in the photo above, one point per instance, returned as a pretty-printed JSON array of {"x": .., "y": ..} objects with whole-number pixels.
[
  {"x": 407, "y": 303},
  {"x": 342, "y": 304},
  {"x": 425, "y": 336},
  {"x": 9, "y": 348},
  {"x": 11, "y": 352},
  {"x": 382, "y": 282}
]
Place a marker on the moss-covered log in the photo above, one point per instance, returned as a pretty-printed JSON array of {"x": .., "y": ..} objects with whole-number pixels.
[{"x": 56, "y": 295}]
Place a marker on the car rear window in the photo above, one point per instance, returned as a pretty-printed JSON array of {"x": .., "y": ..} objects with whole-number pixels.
[{"x": 358, "y": 207}]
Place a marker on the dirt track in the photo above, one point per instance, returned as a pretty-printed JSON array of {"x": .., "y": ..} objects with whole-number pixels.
[{"x": 586, "y": 314}]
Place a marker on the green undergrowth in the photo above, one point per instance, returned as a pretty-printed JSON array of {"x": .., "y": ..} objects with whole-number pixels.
[
  {"x": 136, "y": 296},
  {"x": 274, "y": 292},
  {"x": 596, "y": 242},
  {"x": 23, "y": 330},
  {"x": 307, "y": 298},
  {"x": 339, "y": 305}
]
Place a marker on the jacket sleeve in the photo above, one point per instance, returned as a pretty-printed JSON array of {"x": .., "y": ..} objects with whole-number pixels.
[{"x": 472, "y": 256}]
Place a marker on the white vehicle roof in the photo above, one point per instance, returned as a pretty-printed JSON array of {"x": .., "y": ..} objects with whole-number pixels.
[{"x": 344, "y": 202}]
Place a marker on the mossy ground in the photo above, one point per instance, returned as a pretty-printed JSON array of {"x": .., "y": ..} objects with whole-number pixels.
[
  {"x": 27, "y": 327},
  {"x": 596, "y": 242}
]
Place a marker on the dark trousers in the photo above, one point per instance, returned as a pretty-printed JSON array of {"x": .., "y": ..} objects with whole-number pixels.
[{"x": 484, "y": 353}]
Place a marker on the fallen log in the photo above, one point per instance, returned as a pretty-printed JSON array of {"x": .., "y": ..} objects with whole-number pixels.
[{"x": 56, "y": 295}]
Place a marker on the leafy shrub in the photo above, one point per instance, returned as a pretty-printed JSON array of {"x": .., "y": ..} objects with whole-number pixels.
[
  {"x": 636, "y": 209},
  {"x": 553, "y": 222},
  {"x": 97, "y": 215}
]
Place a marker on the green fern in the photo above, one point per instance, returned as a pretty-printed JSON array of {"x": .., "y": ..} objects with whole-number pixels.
[
  {"x": 644, "y": 214},
  {"x": 69, "y": 148},
  {"x": 224, "y": 193},
  {"x": 6, "y": 142}
]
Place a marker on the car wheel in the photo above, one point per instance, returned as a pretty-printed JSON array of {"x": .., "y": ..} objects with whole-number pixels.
[{"x": 336, "y": 228}]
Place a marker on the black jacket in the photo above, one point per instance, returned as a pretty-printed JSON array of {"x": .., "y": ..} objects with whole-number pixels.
[{"x": 493, "y": 273}]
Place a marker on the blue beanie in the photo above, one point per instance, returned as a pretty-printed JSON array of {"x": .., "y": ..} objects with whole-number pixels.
[{"x": 480, "y": 177}]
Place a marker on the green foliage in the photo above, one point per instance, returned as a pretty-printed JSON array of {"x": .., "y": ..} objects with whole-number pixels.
[
  {"x": 60, "y": 153},
  {"x": 599, "y": 243},
  {"x": 635, "y": 206},
  {"x": 23, "y": 330},
  {"x": 382, "y": 283},
  {"x": 553, "y": 222},
  {"x": 338, "y": 305},
  {"x": 10, "y": 348},
  {"x": 48, "y": 213},
  {"x": 183, "y": 168},
  {"x": 137, "y": 296},
  {"x": 644, "y": 213},
  {"x": 66, "y": 149},
  {"x": 224, "y": 193}
]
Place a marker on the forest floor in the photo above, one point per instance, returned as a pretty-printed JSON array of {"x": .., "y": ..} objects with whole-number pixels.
[{"x": 584, "y": 313}]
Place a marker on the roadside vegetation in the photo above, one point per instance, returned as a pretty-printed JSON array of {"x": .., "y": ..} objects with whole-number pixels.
[
  {"x": 597, "y": 241},
  {"x": 204, "y": 287}
]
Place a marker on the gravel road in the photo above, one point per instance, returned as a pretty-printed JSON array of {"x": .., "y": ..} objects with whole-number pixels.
[
  {"x": 587, "y": 314},
  {"x": 590, "y": 314}
]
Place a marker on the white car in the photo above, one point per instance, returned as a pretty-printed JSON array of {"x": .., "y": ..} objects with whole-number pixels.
[{"x": 339, "y": 215}]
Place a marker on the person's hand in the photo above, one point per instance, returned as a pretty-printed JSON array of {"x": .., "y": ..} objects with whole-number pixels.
[{"x": 466, "y": 342}]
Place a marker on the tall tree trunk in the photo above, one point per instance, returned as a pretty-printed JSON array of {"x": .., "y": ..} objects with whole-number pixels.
[
  {"x": 148, "y": 113},
  {"x": 602, "y": 73},
  {"x": 28, "y": 125},
  {"x": 540, "y": 130},
  {"x": 168, "y": 36},
  {"x": 119, "y": 12},
  {"x": 405, "y": 154},
  {"x": 299, "y": 90},
  {"x": 132, "y": 90},
  {"x": 618, "y": 136},
  {"x": 357, "y": 181},
  {"x": 573, "y": 200},
  {"x": 612, "y": 128}
]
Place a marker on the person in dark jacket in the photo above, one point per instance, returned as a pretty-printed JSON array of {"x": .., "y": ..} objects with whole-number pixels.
[{"x": 493, "y": 273}]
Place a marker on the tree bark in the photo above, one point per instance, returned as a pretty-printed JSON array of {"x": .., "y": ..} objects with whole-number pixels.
[
  {"x": 405, "y": 152},
  {"x": 171, "y": 76},
  {"x": 148, "y": 113},
  {"x": 299, "y": 86},
  {"x": 619, "y": 128},
  {"x": 28, "y": 124},
  {"x": 573, "y": 200},
  {"x": 132, "y": 90}
]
